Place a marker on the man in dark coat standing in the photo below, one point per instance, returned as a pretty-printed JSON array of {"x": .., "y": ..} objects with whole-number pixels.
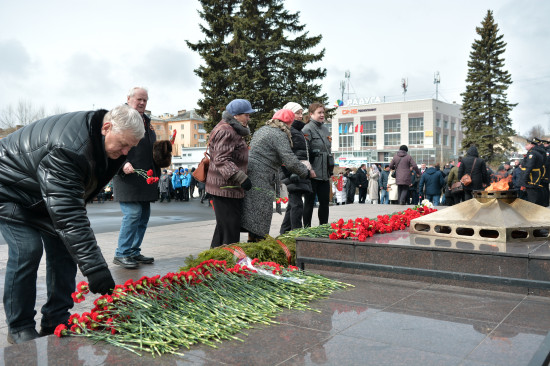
[
  {"x": 350, "y": 186},
  {"x": 473, "y": 165},
  {"x": 362, "y": 182},
  {"x": 402, "y": 162},
  {"x": 50, "y": 170},
  {"x": 133, "y": 192}
]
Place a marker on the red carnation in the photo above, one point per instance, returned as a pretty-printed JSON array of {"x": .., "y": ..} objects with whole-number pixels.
[
  {"x": 73, "y": 319},
  {"x": 82, "y": 287},
  {"x": 77, "y": 297},
  {"x": 150, "y": 173},
  {"x": 60, "y": 330}
]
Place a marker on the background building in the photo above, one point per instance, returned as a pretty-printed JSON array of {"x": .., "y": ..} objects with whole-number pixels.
[
  {"x": 373, "y": 132},
  {"x": 189, "y": 128}
]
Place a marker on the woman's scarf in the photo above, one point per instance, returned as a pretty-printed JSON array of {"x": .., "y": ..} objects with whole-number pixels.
[
  {"x": 237, "y": 126},
  {"x": 275, "y": 123}
]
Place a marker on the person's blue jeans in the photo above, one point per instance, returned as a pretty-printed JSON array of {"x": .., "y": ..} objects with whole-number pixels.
[
  {"x": 25, "y": 248},
  {"x": 384, "y": 197},
  {"x": 434, "y": 199},
  {"x": 134, "y": 223}
]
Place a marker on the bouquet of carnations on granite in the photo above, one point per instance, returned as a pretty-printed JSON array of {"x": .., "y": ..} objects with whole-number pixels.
[{"x": 206, "y": 304}]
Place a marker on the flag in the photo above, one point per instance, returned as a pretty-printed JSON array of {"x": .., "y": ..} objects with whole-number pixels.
[
  {"x": 356, "y": 128},
  {"x": 361, "y": 128},
  {"x": 340, "y": 129},
  {"x": 346, "y": 128}
]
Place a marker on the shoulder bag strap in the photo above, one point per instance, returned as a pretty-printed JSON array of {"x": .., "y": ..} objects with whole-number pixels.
[
  {"x": 397, "y": 165},
  {"x": 474, "y": 164}
]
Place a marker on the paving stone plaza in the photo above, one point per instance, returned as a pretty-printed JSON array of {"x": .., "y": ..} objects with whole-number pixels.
[{"x": 380, "y": 321}]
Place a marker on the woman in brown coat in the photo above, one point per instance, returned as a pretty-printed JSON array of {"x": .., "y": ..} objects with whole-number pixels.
[
  {"x": 228, "y": 167},
  {"x": 402, "y": 162}
]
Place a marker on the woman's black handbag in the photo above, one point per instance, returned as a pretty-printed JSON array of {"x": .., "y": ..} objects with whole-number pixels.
[
  {"x": 457, "y": 187},
  {"x": 330, "y": 164}
]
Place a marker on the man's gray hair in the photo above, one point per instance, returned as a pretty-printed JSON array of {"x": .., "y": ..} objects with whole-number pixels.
[
  {"x": 126, "y": 119},
  {"x": 132, "y": 91}
]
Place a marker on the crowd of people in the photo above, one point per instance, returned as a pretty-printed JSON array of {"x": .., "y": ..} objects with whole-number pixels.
[{"x": 405, "y": 182}]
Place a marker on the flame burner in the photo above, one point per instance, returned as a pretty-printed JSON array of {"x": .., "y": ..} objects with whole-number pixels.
[
  {"x": 492, "y": 216},
  {"x": 486, "y": 196}
]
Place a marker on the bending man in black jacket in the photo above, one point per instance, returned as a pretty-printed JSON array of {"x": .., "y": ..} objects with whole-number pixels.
[{"x": 50, "y": 170}]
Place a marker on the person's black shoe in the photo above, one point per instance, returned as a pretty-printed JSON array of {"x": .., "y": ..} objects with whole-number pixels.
[
  {"x": 126, "y": 262},
  {"x": 22, "y": 336},
  {"x": 143, "y": 259},
  {"x": 46, "y": 331}
]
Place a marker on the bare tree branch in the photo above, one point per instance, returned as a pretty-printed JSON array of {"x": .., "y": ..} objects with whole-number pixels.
[
  {"x": 536, "y": 131},
  {"x": 23, "y": 113}
]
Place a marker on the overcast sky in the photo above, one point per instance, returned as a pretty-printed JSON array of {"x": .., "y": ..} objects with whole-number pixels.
[{"x": 80, "y": 55}]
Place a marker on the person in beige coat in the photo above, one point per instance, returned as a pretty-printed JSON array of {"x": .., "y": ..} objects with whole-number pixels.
[
  {"x": 374, "y": 175},
  {"x": 392, "y": 189}
]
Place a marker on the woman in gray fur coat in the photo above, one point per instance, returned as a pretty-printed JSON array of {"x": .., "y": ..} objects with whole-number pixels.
[{"x": 269, "y": 149}]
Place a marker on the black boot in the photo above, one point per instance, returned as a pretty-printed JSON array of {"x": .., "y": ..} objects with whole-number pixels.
[{"x": 22, "y": 336}]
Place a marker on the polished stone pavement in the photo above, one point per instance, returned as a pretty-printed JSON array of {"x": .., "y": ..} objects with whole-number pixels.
[{"x": 378, "y": 322}]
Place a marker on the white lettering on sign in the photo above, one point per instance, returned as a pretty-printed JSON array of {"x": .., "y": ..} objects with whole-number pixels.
[{"x": 362, "y": 101}]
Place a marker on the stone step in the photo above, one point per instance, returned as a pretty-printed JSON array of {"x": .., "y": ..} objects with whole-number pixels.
[{"x": 509, "y": 267}]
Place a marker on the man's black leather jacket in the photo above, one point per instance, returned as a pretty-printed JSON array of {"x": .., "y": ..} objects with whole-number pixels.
[{"x": 48, "y": 171}]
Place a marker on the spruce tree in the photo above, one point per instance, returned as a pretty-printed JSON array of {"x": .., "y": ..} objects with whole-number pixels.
[
  {"x": 268, "y": 59},
  {"x": 486, "y": 111},
  {"x": 218, "y": 16}
]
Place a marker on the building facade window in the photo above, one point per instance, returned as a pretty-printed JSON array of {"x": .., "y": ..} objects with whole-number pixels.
[
  {"x": 437, "y": 138},
  {"x": 181, "y": 126},
  {"x": 345, "y": 131},
  {"x": 182, "y": 135},
  {"x": 445, "y": 124},
  {"x": 416, "y": 131},
  {"x": 437, "y": 122},
  {"x": 445, "y": 140},
  {"x": 426, "y": 156},
  {"x": 368, "y": 133},
  {"x": 453, "y": 126},
  {"x": 392, "y": 132},
  {"x": 453, "y": 143}
]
